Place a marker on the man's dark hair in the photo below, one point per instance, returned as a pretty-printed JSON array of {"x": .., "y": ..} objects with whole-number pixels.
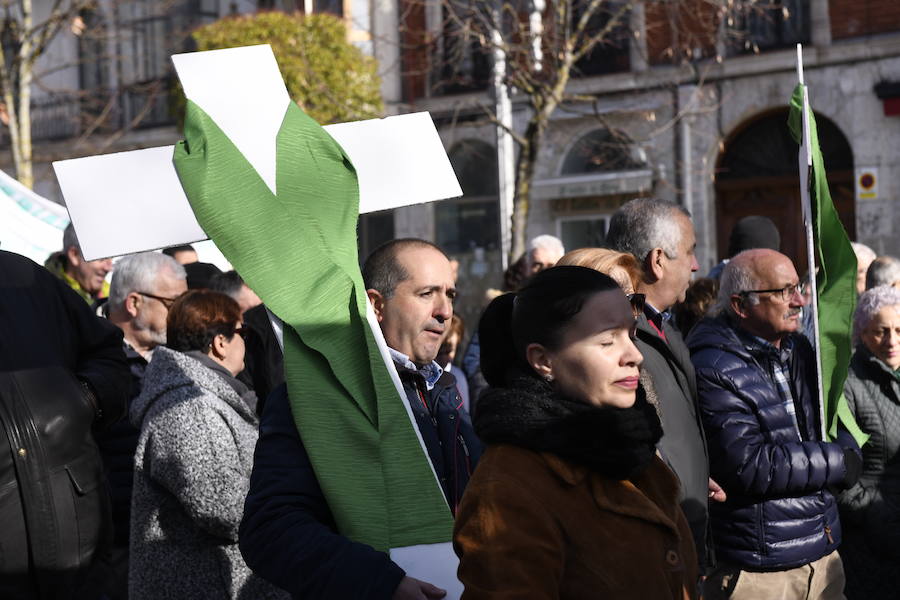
[
  {"x": 383, "y": 272},
  {"x": 229, "y": 283},
  {"x": 173, "y": 250}
]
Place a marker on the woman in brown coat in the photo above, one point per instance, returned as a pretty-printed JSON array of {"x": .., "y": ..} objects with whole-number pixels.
[{"x": 570, "y": 500}]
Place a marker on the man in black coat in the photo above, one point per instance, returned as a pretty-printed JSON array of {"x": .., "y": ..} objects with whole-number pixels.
[
  {"x": 288, "y": 534},
  {"x": 62, "y": 371},
  {"x": 661, "y": 236}
]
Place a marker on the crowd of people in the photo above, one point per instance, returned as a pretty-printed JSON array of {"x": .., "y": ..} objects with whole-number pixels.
[{"x": 611, "y": 429}]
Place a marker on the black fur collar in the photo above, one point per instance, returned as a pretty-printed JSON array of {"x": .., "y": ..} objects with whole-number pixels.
[{"x": 616, "y": 442}]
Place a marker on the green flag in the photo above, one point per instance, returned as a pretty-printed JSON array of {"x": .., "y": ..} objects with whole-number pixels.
[
  {"x": 297, "y": 249},
  {"x": 835, "y": 282}
]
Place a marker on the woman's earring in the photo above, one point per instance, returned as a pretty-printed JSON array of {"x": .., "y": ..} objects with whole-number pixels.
[{"x": 548, "y": 378}]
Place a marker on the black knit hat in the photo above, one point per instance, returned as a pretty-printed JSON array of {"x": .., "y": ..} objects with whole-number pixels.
[{"x": 753, "y": 232}]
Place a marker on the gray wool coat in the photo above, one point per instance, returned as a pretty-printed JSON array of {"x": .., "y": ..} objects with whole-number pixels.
[
  {"x": 191, "y": 475},
  {"x": 870, "y": 510}
]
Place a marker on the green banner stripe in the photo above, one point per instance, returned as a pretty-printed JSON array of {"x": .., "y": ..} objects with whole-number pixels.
[{"x": 835, "y": 282}]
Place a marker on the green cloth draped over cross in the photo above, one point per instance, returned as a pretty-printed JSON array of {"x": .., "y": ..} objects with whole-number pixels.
[
  {"x": 835, "y": 282},
  {"x": 297, "y": 249}
]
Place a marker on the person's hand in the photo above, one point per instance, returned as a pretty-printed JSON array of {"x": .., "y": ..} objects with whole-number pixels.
[
  {"x": 716, "y": 493},
  {"x": 413, "y": 589},
  {"x": 852, "y": 468}
]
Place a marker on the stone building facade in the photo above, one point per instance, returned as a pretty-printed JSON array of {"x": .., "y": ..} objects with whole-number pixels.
[{"x": 710, "y": 135}]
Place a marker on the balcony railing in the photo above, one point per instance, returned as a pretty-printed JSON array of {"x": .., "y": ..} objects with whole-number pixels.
[
  {"x": 781, "y": 24},
  {"x": 66, "y": 115}
]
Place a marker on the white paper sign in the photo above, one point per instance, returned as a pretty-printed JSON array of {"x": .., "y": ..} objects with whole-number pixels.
[
  {"x": 133, "y": 201},
  {"x": 127, "y": 202},
  {"x": 399, "y": 160},
  {"x": 434, "y": 563},
  {"x": 242, "y": 90}
]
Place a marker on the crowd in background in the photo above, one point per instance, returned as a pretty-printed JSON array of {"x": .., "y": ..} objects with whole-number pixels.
[{"x": 612, "y": 427}]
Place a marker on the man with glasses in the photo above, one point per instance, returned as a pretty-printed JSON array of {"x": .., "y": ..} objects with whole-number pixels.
[
  {"x": 143, "y": 288},
  {"x": 777, "y": 533}
]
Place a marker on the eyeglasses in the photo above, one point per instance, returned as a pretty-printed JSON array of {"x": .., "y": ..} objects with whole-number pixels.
[
  {"x": 241, "y": 330},
  {"x": 167, "y": 302},
  {"x": 787, "y": 292}
]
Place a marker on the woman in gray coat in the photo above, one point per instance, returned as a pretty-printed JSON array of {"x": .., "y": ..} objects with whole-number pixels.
[
  {"x": 870, "y": 510},
  {"x": 193, "y": 460}
]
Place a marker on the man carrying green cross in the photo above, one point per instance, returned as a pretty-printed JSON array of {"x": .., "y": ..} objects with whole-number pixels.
[
  {"x": 288, "y": 534},
  {"x": 280, "y": 197}
]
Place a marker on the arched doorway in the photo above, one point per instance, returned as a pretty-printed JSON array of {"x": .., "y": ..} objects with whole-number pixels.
[{"x": 757, "y": 174}]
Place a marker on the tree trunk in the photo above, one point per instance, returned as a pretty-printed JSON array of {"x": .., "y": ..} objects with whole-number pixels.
[
  {"x": 24, "y": 168},
  {"x": 24, "y": 171},
  {"x": 525, "y": 163}
]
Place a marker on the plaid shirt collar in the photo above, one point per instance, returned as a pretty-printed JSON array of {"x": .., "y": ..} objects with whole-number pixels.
[{"x": 756, "y": 345}]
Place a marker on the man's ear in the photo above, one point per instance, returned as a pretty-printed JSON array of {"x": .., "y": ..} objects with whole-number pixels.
[
  {"x": 539, "y": 360},
  {"x": 377, "y": 301},
  {"x": 653, "y": 264},
  {"x": 74, "y": 256},
  {"x": 132, "y": 302},
  {"x": 737, "y": 305}
]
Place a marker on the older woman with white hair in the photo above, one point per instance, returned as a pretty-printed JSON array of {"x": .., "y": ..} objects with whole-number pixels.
[{"x": 870, "y": 510}]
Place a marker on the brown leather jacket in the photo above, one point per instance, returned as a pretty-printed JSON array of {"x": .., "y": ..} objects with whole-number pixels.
[{"x": 534, "y": 526}]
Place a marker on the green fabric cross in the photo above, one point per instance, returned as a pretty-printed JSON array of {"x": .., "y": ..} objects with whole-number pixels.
[{"x": 297, "y": 250}]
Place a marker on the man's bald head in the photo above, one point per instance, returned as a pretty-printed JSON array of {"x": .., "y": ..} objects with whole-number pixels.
[{"x": 759, "y": 288}]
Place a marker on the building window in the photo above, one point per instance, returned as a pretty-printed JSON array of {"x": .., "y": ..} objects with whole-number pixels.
[
  {"x": 473, "y": 220},
  {"x": 373, "y": 230},
  {"x": 600, "y": 151},
  {"x": 463, "y": 60},
  {"x": 586, "y": 231},
  {"x": 780, "y": 24},
  {"x": 610, "y": 55}
]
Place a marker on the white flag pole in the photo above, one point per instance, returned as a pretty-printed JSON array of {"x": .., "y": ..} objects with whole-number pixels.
[{"x": 805, "y": 167}]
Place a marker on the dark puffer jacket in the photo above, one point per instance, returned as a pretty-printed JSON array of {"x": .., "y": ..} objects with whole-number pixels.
[{"x": 779, "y": 513}]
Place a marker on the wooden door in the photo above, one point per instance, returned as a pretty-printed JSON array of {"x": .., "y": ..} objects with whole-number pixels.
[{"x": 778, "y": 198}]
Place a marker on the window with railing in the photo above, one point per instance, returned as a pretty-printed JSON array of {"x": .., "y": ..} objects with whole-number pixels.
[
  {"x": 463, "y": 62},
  {"x": 124, "y": 75},
  {"x": 608, "y": 23},
  {"x": 772, "y": 25}
]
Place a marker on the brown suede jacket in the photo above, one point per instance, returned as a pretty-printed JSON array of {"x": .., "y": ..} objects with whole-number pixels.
[{"x": 534, "y": 526}]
